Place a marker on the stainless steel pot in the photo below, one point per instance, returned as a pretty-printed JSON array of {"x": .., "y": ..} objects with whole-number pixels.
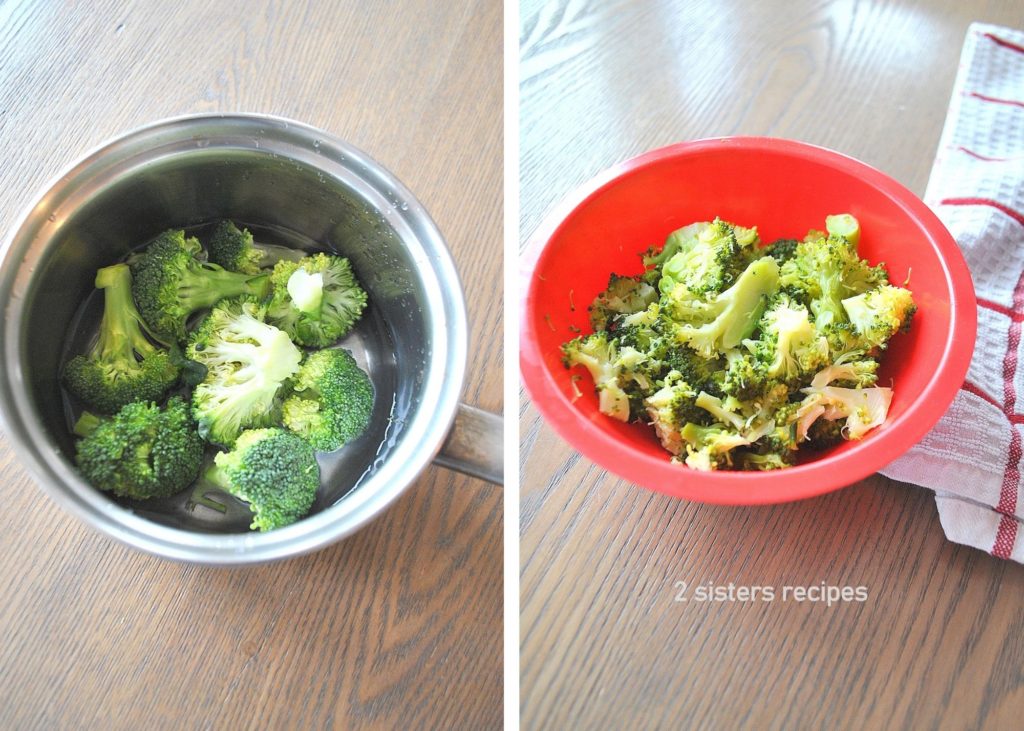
[{"x": 291, "y": 184}]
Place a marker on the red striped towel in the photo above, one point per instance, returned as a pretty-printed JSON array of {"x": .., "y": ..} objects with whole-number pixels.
[{"x": 972, "y": 457}]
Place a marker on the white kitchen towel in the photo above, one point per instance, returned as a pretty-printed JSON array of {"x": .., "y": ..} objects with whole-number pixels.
[{"x": 972, "y": 457}]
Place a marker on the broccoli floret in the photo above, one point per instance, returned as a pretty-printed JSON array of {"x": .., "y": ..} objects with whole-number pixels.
[
  {"x": 781, "y": 250},
  {"x": 732, "y": 315},
  {"x": 824, "y": 433},
  {"x": 624, "y": 296},
  {"x": 721, "y": 252},
  {"x": 598, "y": 355},
  {"x": 142, "y": 452},
  {"x": 763, "y": 461},
  {"x": 671, "y": 408},
  {"x": 680, "y": 240},
  {"x": 746, "y": 377},
  {"x": 332, "y": 400},
  {"x": 823, "y": 273},
  {"x": 862, "y": 408},
  {"x": 878, "y": 314},
  {"x": 789, "y": 346},
  {"x": 170, "y": 282},
  {"x": 123, "y": 366},
  {"x": 316, "y": 300},
  {"x": 248, "y": 365},
  {"x": 274, "y": 471},
  {"x": 709, "y": 447},
  {"x": 234, "y": 249}
]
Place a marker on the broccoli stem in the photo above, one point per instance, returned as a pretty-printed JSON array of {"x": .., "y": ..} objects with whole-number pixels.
[
  {"x": 210, "y": 284},
  {"x": 121, "y": 330},
  {"x": 87, "y": 424}
]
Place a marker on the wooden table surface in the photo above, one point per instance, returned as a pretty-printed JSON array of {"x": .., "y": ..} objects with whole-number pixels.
[
  {"x": 939, "y": 643},
  {"x": 400, "y": 626}
]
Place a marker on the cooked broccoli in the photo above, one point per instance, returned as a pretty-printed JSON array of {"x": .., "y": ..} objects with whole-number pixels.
[
  {"x": 732, "y": 315},
  {"x": 709, "y": 447},
  {"x": 316, "y": 300},
  {"x": 248, "y": 365},
  {"x": 624, "y": 296},
  {"x": 171, "y": 281},
  {"x": 331, "y": 401},
  {"x": 598, "y": 355},
  {"x": 789, "y": 346},
  {"x": 823, "y": 272},
  {"x": 740, "y": 378},
  {"x": 274, "y": 471},
  {"x": 879, "y": 314},
  {"x": 141, "y": 452},
  {"x": 123, "y": 366},
  {"x": 781, "y": 250},
  {"x": 234, "y": 249},
  {"x": 719, "y": 255}
]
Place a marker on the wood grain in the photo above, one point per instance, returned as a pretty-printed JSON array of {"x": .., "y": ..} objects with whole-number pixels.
[
  {"x": 604, "y": 643},
  {"x": 399, "y": 626}
]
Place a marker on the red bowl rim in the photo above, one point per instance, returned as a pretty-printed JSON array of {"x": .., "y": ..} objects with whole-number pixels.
[{"x": 831, "y": 472}]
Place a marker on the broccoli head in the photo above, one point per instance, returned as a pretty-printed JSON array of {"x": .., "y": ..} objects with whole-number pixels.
[
  {"x": 878, "y": 314},
  {"x": 709, "y": 447},
  {"x": 671, "y": 408},
  {"x": 248, "y": 364},
  {"x": 234, "y": 249},
  {"x": 825, "y": 271},
  {"x": 316, "y": 300},
  {"x": 598, "y": 354},
  {"x": 678, "y": 241},
  {"x": 123, "y": 366},
  {"x": 274, "y": 471},
  {"x": 726, "y": 320},
  {"x": 142, "y": 452},
  {"x": 789, "y": 346},
  {"x": 624, "y": 296},
  {"x": 171, "y": 281},
  {"x": 781, "y": 250},
  {"x": 721, "y": 252},
  {"x": 331, "y": 401}
]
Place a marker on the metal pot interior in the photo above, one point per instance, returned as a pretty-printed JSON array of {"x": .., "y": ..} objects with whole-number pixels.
[{"x": 190, "y": 183}]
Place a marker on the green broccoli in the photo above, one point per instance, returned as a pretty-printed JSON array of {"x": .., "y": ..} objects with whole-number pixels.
[
  {"x": 316, "y": 300},
  {"x": 170, "y": 282},
  {"x": 781, "y": 250},
  {"x": 730, "y": 317},
  {"x": 671, "y": 408},
  {"x": 234, "y": 249},
  {"x": 331, "y": 401},
  {"x": 720, "y": 254},
  {"x": 709, "y": 447},
  {"x": 624, "y": 296},
  {"x": 123, "y": 366},
  {"x": 598, "y": 354},
  {"x": 142, "y": 452},
  {"x": 879, "y": 314},
  {"x": 678, "y": 241},
  {"x": 273, "y": 470},
  {"x": 789, "y": 346},
  {"x": 824, "y": 272},
  {"x": 248, "y": 366}
]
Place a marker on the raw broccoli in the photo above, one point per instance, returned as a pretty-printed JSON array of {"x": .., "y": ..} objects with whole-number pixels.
[
  {"x": 720, "y": 254},
  {"x": 123, "y": 366},
  {"x": 726, "y": 320},
  {"x": 234, "y": 249},
  {"x": 316, "y": 300},
  {"x": 879, "y": 314},
  {"x": 170, "y": 282},
  {"x": 624, "y": 296},
  {"x": 248, "y": 363},
  {"x": 274, "y": 471},
  {"x": 142, "y": 452},
  {"x": 331, "y": 401}
]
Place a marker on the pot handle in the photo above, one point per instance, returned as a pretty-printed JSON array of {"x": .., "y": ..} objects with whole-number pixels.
[{"x": 475, "y": 445}]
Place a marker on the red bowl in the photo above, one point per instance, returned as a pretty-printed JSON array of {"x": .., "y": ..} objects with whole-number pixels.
[{"x": 784, "y": 188}]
